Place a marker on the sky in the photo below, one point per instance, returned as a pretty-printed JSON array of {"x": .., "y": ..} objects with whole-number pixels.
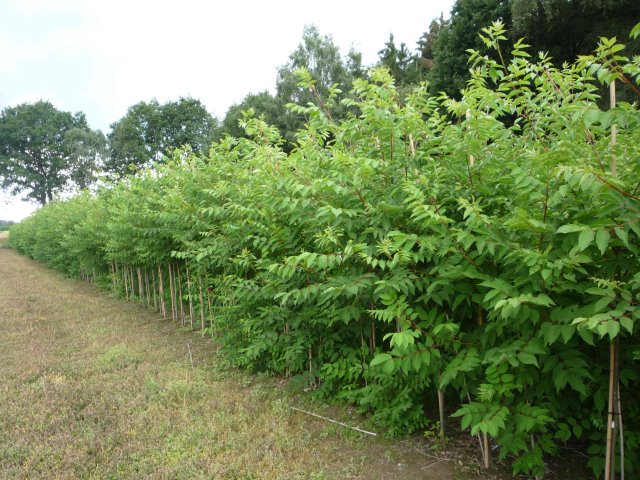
[{"x": 101, "y": 57}]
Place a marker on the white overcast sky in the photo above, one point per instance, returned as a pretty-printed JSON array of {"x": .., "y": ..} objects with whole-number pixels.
[{"x": 102, "y": 56}]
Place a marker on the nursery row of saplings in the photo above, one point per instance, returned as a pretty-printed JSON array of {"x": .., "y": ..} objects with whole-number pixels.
[{"x": 477, "y": 256}]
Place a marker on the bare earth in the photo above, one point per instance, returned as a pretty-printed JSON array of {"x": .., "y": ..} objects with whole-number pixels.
[{"x": 94, "y": 387}]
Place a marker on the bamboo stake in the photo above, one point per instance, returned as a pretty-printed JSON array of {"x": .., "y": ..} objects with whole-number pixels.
[
  {"x": 146, "y": 281},
  {"x": 621, "y": 431},
  {"x": 126, "y": 282},
  {"x": 140, "y": 286},
  {"x": 614, "y": 128},
  {"x": 190, "y": 298},
  {"x": 155, "y": 289},
  {"x": 610, "y": 465},
  {"x": 614, "y": 408},
  {"x": 441, "y": 410},
  {"x": 132, "y": 286},
  {"x": 201, "y": 305},
  {"x": 163, "y": 307},
  {"x": 471, "y": 158},
  {"x": 180, "y": 295},
  {"x": 211, "y": 316},
  {"x": 172, "y": 292},
  {"x": 486, "y": 452}
]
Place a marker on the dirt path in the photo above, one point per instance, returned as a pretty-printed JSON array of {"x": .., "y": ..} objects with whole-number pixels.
[{"x": 93, "y": 387}]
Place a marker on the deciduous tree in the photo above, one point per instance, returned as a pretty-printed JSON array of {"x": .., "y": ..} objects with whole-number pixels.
[{"x": 34, "y": 155}]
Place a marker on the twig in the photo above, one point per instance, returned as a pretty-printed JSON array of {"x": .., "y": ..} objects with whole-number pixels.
[
  {"x": 434, "y": 463},
  {"x": 334, "y": 421}
]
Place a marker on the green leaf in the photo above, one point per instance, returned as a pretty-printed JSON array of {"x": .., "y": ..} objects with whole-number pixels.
[
  {"x": 527, "y": 358},
  {"x": 622, "y": 234},
  {"x": 571, "y": 228},
  {"x": 627, "y": 324},
  {"x": 585, "y": 239},
  {"x": 380, "y": 358},
  {"x": 602, "y": 240}
]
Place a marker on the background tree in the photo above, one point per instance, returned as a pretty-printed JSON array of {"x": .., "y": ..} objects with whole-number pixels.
[
  {"x": 450, "y": 70},
  {"x": 135, "y": 138},
  {"x": 428, "y": 39},
  {"x": 562, "y": 28},
  {"x": 405, "y": 66},
  {"x": 322, "y": 59},
  {"x": 264, "y": 105},
  {"x": 34, "y": 156},
  {"x": 186, "y": 122},
  {"x": 149, "y": 130},
  {"x": 86, "y": 150}
]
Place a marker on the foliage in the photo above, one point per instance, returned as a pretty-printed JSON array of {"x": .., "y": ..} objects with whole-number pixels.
[
  {"x": 87, "y": 150},
  {"x": 263, "y": 105},
  {"x": 34, "y": 154},
  {"x": 450, "y": 70},
  {"x": 562, "y": 29},
  {"x": 480, "y": 247},
  {"x": 150, "y": 130},
  {"x": 327, "y": 72},
  {"x": 6, "y": 224},
  {"x": 405, "y": 66}
]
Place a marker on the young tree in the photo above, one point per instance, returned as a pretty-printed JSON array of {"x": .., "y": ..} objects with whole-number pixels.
[{"x": 34, "y": 156}]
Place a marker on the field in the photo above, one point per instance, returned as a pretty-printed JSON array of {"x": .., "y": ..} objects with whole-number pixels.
[{"x": 94, "y": 387}]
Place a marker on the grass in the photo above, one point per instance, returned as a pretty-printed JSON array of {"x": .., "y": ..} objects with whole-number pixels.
[{"x": 93, "y": 387}]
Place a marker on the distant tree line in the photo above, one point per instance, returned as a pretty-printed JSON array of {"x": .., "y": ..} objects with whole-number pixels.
[{"x": 45, "y": 152}]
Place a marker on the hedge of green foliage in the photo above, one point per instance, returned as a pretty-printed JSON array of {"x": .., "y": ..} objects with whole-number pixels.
[{"x": 482, "y": 248}]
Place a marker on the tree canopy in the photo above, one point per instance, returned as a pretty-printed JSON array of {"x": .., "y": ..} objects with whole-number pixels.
[
  {"x": 35, "y": 150},
  {"x": 564, "y": 29},
  {"x": 149, "y": 130}
]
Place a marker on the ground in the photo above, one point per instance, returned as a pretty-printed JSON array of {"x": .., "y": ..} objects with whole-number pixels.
[{"x": 95, "y": 387}]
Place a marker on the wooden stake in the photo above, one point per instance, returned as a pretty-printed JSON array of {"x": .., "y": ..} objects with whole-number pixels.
[
  {"x": 163, "y": 306},
  {"x": 201, "y": 305},
  {"x": 140, "y": 286},
  {"x": 612, "y": 424},
  {"x": 614, "y": 128},
  {"x": 614, "y": 408},
  {"x": 154, "y": 289},
  {"x": 190, "y": 298},
  {"x": 147, "y": 288},
  {"x": 126, "y": 282},
  {"x": 174, "y": 315},
  {"x": 441, "y": 410},
  {"x": 179, "y": 293},
  {"x": 132, "y": 286}
]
